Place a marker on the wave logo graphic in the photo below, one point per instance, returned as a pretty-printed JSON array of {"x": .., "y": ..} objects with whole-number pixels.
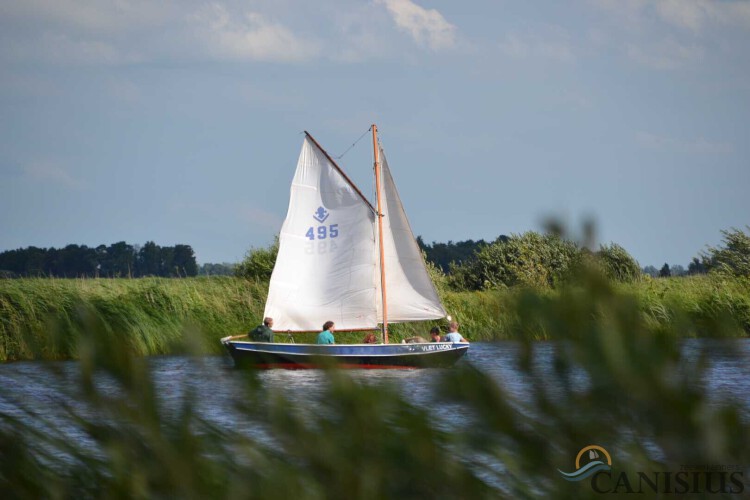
[{"x": 594, "y": 465}]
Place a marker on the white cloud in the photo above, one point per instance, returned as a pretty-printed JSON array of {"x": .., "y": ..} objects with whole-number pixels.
[
  {"x": 109, "y": 32},
  {"x": 672, "y": 34},
  {"x": 66, "y": 49},
  {"x": 427, "y": 27},
  {"x": 684, "y": 13},
  {"x": 359, "y": 31},
  {"x": 624, "y": 10},
  {"x": 249, "y": 36},
  {"x": 699, "y": 145},
  {"x": 549, "y": 44},
  {"x": 51, "y": 173},
  {"x": 665, "y": 55},
  {"x": 695, "y": 14}
]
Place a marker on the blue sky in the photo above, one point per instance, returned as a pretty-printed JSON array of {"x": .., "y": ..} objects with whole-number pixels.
[{"x": 180, "y": 122}]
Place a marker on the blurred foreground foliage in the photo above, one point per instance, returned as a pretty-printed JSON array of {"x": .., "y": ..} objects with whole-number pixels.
[{"x": 618, "y": 379}]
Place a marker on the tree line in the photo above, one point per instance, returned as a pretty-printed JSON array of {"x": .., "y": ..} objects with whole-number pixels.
[
  {"x": 530, "y": 258},
  {"x": 118, "y": 260},
  {"x": 537, "y": 260}
]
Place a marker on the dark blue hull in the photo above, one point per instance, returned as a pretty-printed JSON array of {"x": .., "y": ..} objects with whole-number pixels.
[{"x": 300, "y": 356}]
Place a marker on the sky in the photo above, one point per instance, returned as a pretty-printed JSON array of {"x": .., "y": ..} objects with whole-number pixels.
[{"x": 180, "y": 122}]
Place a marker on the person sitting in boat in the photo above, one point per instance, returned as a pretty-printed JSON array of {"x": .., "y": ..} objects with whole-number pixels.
[
  {"x": 453, "y": 335},
  {"x": 415, "y": 340},
  {"x": 370, "y": 338},
  {"x": 262, "y": 333},
  {"x": 435, "y": 334},
  {"x": 326, "y": 336}
]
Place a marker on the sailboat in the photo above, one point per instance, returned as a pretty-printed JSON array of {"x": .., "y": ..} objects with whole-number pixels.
[{"x": 344, "y": 260}]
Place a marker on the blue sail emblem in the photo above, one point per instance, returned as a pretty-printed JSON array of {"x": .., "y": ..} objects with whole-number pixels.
[{"x": 321, "y": 214}]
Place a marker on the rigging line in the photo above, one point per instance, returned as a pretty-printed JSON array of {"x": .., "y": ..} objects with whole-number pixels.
[{"x": 353, "y": 144}]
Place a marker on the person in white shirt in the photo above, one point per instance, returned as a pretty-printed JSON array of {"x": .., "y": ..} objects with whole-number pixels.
[{"x": 453, "y": 335}]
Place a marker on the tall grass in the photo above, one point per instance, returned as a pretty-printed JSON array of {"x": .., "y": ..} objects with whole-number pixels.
[
  {"x": 150, "y": 315},
  {"x": 696, "y": 306},
  {"x": 145, "y": 316}
]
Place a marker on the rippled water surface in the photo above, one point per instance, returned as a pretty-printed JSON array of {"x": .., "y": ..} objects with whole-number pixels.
[{"x": 43, "y": 388}]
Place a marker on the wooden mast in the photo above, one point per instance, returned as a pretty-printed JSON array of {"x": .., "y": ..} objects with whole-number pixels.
[{"x": 376, "y": 150}]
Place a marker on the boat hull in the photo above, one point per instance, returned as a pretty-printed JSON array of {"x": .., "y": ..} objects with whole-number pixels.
[{"x": 378, "y": 356}]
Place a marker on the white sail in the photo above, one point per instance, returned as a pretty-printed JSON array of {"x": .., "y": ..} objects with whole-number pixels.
[
  {"x": 410, "y": 293},
  {"x": 327, "y": 266}
]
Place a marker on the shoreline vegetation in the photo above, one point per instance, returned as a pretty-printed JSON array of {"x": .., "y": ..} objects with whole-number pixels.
[
  {"x": 45, "y": 318},
  {"x": 528, "y": 286}
]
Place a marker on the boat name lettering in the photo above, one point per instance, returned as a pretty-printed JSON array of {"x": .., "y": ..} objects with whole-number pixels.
[
  {"x": 322, "y": 232},
  {"x": 435, "y": 347}
]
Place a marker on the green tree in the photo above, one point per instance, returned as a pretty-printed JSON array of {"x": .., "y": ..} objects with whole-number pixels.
[
  {"x": 677, "y": 270},
  {"x": 528, "y": 259},
  {"x": 184, "y": 260},
  {"x": 120, "y": 260},
  {"x": 697, "y": 266},
  {"x": 651, "y": 271},
  {"x": 74, "y": 261},
  {"x": 166, "y": 262},
  {"x": 665, "y": 272},
  {"x": 733, "y": 257},
  {"x": 258, "y": 262},
  {"x": 618, "y": 264},
  {"x": 33, "y": 261},
  {"x": 149, "y": 259},
  {"x": 444, "y": 254}
]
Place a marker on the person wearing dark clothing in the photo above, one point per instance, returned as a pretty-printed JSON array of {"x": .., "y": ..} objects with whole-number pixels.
[
  {"x": 435, "y": 334},
  {"x": 262, "y": 333}
]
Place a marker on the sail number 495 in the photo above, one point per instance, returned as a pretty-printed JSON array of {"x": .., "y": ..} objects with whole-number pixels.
[{"x": 322, "y": 232}]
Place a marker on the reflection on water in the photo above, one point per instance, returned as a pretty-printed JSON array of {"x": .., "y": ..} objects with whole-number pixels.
[{"x": 46, "y": 388}]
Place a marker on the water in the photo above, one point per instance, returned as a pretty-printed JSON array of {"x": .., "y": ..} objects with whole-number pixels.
[{"x": 44, "y": 388}]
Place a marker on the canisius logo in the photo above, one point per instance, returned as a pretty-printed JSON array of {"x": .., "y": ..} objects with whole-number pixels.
[
  {"x": 594, "y": 465},
  {"x": 593, "y": 462}
]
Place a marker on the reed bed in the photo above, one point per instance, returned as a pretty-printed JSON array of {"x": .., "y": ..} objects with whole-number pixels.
[
  {"x": 42, "y": 318},
  {"x": 45, "y": 318}
]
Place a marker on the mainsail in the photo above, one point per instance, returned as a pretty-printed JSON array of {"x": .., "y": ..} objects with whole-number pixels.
[{"x": 328, "y": 267}]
